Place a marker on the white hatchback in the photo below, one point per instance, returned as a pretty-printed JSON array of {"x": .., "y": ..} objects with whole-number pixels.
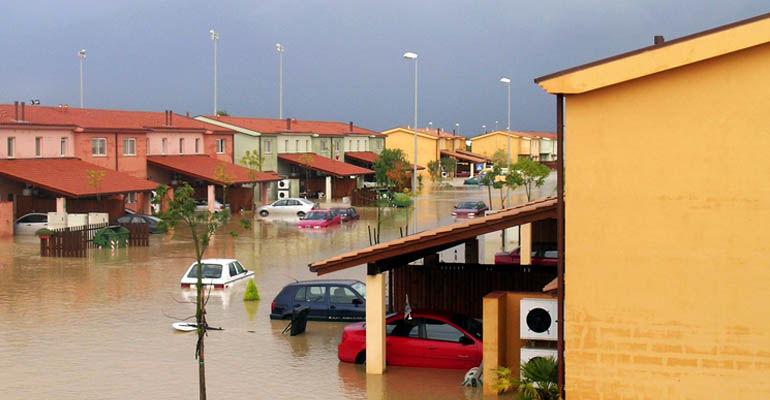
[
  {"x": 217, "y": 272},
  {"x": 291, "y": 206}
]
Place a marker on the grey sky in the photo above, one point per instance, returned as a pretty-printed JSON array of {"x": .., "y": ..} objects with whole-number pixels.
[{"x": 343, "y": 58}]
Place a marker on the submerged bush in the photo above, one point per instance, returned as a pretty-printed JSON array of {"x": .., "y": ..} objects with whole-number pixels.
[
  {"x": 252, "y": 294},
  {"x": 111, "y": 237}
]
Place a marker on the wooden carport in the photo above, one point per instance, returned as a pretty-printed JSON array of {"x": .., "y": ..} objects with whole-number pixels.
[{"x": 425, "y": 245}]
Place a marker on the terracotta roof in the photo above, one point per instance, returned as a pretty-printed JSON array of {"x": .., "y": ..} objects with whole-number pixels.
[
  {"x": 204, "y": 167},
  {"x": 67, "y": 176},
  {"x": 326, "y": 165},
  {"x": 89, "y": 118},
  {"x": 445, "y": 235},
  {"x": 369, "y": 157},
  {"x": 552, "y": 285},
  {"x": 275, "y": 126},
  {"x": 465, "y": 156}
]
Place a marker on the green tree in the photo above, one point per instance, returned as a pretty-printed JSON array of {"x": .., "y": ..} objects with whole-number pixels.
[
  {"x": 253, "y": 161},
  {"x": 389, "y": 160},
  {"x": 539, "y": 379},
  {"x": 449, "y": 165},
  {"x": 220, "y": 174},
  {"x": 95, "y": 178},
  {"x": 434, "y": 169},
  {"x": 222, "y": 113},
  {"x": 202, "y": 226},
  {"x": 489, "y": 180},
  {"x": 533, "y": 174},
  {"x": 500, "y": 158}
]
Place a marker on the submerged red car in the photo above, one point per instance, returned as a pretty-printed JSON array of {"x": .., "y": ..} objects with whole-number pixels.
[
  {"x": 428, "y": 339},
  {"x": 347, "y": 213},
  {"x": 542, "y": 254},
  {"x": 470, "y": 209},
  {"x": 319, "y": 219}
]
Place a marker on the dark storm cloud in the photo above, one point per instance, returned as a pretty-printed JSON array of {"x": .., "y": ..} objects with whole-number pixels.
[{"x": 343, "y": 58}]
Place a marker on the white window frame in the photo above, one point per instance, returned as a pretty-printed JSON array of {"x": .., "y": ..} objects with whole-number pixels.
[
  {"x": 163, "y": 145},
  {"x": 38, "y": 146},
  {"x": 95, "y": 149},
  {"x": 220, "y": 146},
  {"x": 268, "y": 147},
  {"x": 181, "y": 145},
  {"x": 11, "y": 142},
  {"x": 131, "y": 197},
  {"x": 132, "y": 146},
  {"x": 197, "y": 145},
  {"x": 63, "y": 146},
  {"x": 323, "y": 145}
]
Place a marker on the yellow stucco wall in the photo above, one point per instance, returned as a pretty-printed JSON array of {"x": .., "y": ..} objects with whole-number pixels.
[
  {"x": 488, "y": 145},
  {"x": 404, "y": 140},
  {"x": 668, "y": 234}
]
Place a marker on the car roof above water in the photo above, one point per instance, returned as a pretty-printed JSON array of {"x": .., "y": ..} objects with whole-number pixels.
[
  {"x": 325, "y": 281},
  {"x": 217, "y": 260}
]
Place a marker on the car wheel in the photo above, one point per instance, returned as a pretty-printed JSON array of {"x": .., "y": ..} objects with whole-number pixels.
[
  {"x": 301, "y": 214},
  {"x": 361, "y": 357},
  {"x": 264, "y": 213}
]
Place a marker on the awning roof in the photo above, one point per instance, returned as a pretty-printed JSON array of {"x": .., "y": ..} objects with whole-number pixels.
[
  {"x": 370, "y": 157},
  {"x": 465, "y": 156},
  {"x": 204, "y": 168},
  {"x": 440, "y": 237},
  {"x": 68, "y": 177},
  {"x": 325, "y": 165}
]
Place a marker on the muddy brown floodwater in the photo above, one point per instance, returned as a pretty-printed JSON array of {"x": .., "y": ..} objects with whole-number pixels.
[{"x": 100, "y": 327}]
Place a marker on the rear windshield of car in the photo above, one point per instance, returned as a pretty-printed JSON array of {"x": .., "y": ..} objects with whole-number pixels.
[
  {"x": 316, "y": 216},
  {"x": 468, "y": 324},
  {"x": 467, "y": 204},
  {"x": 341, "y": 211},
  {"x": 209, "y": 271}
]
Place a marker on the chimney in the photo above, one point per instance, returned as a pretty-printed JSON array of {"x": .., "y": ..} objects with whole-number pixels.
[
  {"x": 659, "y": 39},
  {"x": 16, "y": 110},
  {"x": 165, "y": 117},
  {"x": 288, "y": 124},
  {"x": 351, "y": 126},
  {"x": 170, "y": 117},
  {"x": 187, "y": 114},
  {"x": 22, "y": 111}
]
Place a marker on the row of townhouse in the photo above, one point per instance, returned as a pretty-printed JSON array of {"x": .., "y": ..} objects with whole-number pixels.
[
  {"x": 539, "y": 146},
  {"x": 432, "y": 145}
]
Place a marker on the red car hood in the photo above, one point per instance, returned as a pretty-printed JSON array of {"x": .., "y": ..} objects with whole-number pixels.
[{"x": 311, "y": 223}]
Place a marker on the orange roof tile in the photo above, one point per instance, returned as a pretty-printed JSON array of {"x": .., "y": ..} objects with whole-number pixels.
[
  {"x": 67, "y": 176},
  {"x": 326, "y": 165},
  {"x": 204, "y": 167},
  {"x": 275, "y": 126}
]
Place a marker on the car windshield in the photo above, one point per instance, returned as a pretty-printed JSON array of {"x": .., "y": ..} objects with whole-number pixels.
[
  {"x": 209, "y": 271},
  {"x": 467, "y": 205},
  {"x": 468, "y": 324},
  {"x": 316, "y": 216},
  {"x": 341, "y": 211},
  {"x": 360, "y": 288}
]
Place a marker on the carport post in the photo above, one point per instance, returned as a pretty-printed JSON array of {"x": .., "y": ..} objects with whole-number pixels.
[
  {"x": 328, "y": 189},
  {"x": 472, "y": 251},
  {"x": 211, "y": 198},
  {"x": 375, "y": 324},
  {"x": 526, "y": 244},
  {"x": 61, "y": 204},
  {"x": 146, "y": 203}
]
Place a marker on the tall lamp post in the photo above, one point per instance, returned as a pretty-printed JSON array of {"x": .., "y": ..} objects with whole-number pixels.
[
  {"x": 82, "y": 56},
  {"x": 215, "y": 39},
  {"x": 279, "y": 48},
  {"x": 507, "y": 82},
  {"x": 413, "y": 56}
]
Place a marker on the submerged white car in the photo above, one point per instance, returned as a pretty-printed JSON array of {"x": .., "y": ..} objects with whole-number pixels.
[
  {"x": 217, "y": 272},
  {"x": 291, "y": 206}
]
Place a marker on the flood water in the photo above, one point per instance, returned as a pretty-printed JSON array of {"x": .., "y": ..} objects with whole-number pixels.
[{"x": 100, "y": 327}]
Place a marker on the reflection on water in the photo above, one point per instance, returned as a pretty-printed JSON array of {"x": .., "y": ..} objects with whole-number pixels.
[{"x": 99, "y": 327}]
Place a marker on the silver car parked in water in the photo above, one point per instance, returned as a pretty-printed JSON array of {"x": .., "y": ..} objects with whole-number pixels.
[{"x": 291, "y": 206}]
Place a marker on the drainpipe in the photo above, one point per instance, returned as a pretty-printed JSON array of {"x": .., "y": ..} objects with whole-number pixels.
[
  {"x": 116, "y": 151},
  {"x": 560, "y": 235}
]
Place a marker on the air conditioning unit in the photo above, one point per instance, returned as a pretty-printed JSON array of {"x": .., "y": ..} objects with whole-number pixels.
[
  {"x": 283, "y": 194},
  {"x": 284, "y": 184},
  {"x": 444, "y": 174},
  {"x": 538, "y": 319},
  {"x": 528, "y": 353}
]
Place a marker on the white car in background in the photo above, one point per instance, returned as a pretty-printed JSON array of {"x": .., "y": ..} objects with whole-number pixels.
[
  {"x": 216, "y": 272},
  {"x": 29, "y": 223},
  {"x": 291, "y": 206}
]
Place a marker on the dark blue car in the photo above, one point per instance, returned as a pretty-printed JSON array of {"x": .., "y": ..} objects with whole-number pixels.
[{"x": 328, "y": 300}]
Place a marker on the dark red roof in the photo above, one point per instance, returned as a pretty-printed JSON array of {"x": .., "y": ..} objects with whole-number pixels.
[
  {"x": 369, "y": 157},
  {"x": 204, "y": 167},
  {"x": 89, "y": 118},
  {"x": 67, "y": 176},
  {"x": 275, "y": 126},
  {"x": 465, "y": 156},
  {"x": 326, "y": 165}
]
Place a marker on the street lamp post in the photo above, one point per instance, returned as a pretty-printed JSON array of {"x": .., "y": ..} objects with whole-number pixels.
[
  {"x": 279, "y": 48},
  {"x": 215, "y": 39},
  {"x": 82, "y": 56},
  {"x": 413, "y": 56},
  {"x": 457, "y": 128},
  {"x": 507, "y": 82}
]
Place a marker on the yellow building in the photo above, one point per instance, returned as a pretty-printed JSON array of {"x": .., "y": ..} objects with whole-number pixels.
[
  {"x": 431, "y": 145},
  {"x": 667, "y": 248},
  {"x": 538, "y": 146}
]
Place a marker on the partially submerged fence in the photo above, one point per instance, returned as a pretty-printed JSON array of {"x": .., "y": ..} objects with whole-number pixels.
[{"x": 74, "y": 242}]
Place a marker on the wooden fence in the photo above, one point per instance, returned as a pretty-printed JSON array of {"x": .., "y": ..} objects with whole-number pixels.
[
  {"x": 138, "y": 234},
  {"x": 74, "y": 242},
  {"x": 364, "y": 197},
  {"x": 461, "y": 287}
]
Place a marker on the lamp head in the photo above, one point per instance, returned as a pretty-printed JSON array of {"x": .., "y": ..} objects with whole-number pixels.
[
  {"x": 410, "y": 56},
  {"x": 505, "y": 80},
  {"x": 279, "y": 47},
  {"x": 214, "y": 34},
  {"x": 82, "y": 53}
]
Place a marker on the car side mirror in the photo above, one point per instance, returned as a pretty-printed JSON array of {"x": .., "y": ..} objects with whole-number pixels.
[
  {"x": 465, "y": 340},
  {"x": 357, "y": 301}
]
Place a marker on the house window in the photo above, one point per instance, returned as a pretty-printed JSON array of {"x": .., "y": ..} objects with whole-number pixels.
[
  {"x": 358, "y": 145},
  {"x": 308, "y": 148},
  {"x": 323, "y": 146},
  {"x": 129, "y": 147},
  {"x": 336, "y": 145},
  {"x": 131, "y": 197},
  {"x": 11, "y": 146},
  {"x": 197, "y": 146},
  {"x": 163, "y": 145},
  {"x": 296, "y": 145},
  {"x": 366, "y": 145},
  {"x": 148, "y": 146},
  {"x": 38, "y": 146},
  {"x": 63, "y": 145},
  {"x": 268, "y": 147},
  {"x": 181, "y": 146},
  {"x": 99, "y": 146},
  {"x": 286, "y": 146},
  {"x": 220, "y": 146},
  {"x": 379, "y": 145}
]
